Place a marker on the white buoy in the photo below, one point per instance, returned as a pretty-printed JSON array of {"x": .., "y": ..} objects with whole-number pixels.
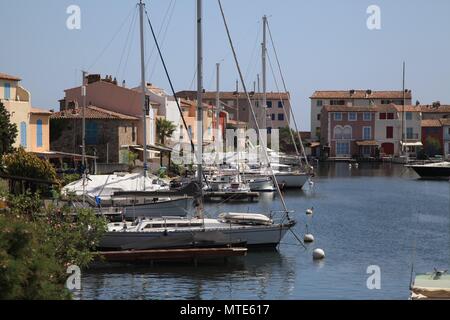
[
  {"x": 308, "y": 238},
  {"x": 349, "y": 165},
  {"x": 356, "y": 165},
  {"x": 310, "y": 211},
  {"x": 318, "y": 254}
]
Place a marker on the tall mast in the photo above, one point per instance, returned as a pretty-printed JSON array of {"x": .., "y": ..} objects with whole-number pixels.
[
  {"x": 403, "y": 111},
  {"x": 264, "y": 75},
  {"x": 217, "y": 100},
  {"x": 199, "y": 93},
  {"x": 144, "y": 104},
  {"x": 83, "y": 134}
]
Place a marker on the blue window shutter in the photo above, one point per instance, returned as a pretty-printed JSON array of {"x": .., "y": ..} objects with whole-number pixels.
[
  {"x": 7, "y": 91},
  {"x": 91, "y": 132},
  {"x": 23, "y": 134},
  {"x": 39, "y": 133}
]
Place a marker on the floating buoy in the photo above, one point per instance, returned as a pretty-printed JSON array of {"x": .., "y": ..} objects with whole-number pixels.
[
  {"x": 318, "y": 254},
  {"x": 310, "y": 211},
  {"x": 308, "y": 238},
  {"x": 349, "y": 165}
]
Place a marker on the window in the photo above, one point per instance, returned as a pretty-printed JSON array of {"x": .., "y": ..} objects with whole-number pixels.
[
  {"x": 367, "y": 133},
  {"x": 342, "y": 148},
  {"x": 272, "y": 116},
  {"x": 337, "y": 102},
  {"x": 448, "y": 131},
  {"x": 7, "y": 91},
  {"x": 269, "y": 130},
  {"x": 390, "y": 116},
  {"x": 280, "y": 104},
  {"x": 91, "y": 132},
  {"x": 389, "y": 132},
  {"x": 39, "y": 133},
  {"x": 352, "y": 116},
  {"x": 383, "y": 116},
  {"x": 230, "y": 103},
  {"x": 367, "y": 116},
  {"x": 133, "y": 132},
  {"x": 337, "y": 116},
  {"x": 319, "y": 103},
  {"x": 408, "y": 116},
  {"x": 318, "y": 117},
  {"x": 409, "y": 133},
  {"x": 23, "y": 134},
  {"x": 366, "y": 151},
  {"x": 347, "y": 132},
  {"x": 190, "y": 132},
  {"x": 280, "y": 117},
  {"x": 269, "y": 104},
  {"x": 338, "y": 132}
]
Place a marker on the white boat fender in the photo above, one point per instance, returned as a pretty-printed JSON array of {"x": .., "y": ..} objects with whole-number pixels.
[
  {"x": 310, "y": 211},
  {"x": 308, "y": 238},
  {"x": 318, "y": 254}
]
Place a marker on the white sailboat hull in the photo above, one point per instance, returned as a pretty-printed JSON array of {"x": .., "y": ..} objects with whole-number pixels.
[
  {"x": 220, "y": 234},
  {"x": 291, "y": 180}
]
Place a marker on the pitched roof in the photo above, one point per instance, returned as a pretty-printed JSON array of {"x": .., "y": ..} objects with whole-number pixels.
[
  {"x": 228, "y": 95},
  {"x": 92, "y": 112},
  {"x": 5, "y": 76},
  {"x": 445, "y": 122},
  {"x": 360, "y": 94},
  {"x": 432, "y": 109},
  {"x": 431, "y": 123},
  {"x": 40, "y": 111}
]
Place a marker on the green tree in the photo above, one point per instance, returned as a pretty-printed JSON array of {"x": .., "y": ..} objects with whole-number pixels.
[
  {"x": 24, "y": 164},
  {"x": 8, "y": 131},
  {"x": 37, "y": 244},
  {"x": 164, "y": 129},
  {"x": 286, "y": 144}
]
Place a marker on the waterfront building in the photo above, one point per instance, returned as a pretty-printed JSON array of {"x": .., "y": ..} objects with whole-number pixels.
[
  {"x": 348, "y": 131},
  {"x": 32, "y": 123},
  {"x": 351, "y": 98},
  {"x": 435, "y": 111},
  {"x": 398, "y": 127},
  {"x": 107, "y": 133},
  {"x": 275, "y": 117},
  {"x": 107, "y": 94}
]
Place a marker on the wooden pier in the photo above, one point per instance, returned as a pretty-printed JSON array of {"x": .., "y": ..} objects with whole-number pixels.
[
  {"x": 160, "y": 255},
  {"x": 231, "y": 196}
]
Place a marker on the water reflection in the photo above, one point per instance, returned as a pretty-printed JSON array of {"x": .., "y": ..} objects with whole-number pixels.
[{"x": 261, "y": 275}]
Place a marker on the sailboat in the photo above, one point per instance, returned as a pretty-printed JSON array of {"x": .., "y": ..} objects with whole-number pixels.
[{"x": 253, "y": 229}]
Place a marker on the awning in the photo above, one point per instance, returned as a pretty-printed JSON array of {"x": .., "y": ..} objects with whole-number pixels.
[
  {"x": 411, "y": 144},
  {"x": 367, "y": 143}
]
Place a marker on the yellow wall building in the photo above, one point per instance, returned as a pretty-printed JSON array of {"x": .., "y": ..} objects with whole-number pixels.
[{"x": 32, "y": 123}]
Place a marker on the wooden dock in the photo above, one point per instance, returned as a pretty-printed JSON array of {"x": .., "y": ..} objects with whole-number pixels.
[
  {"x": 231, "y": 196},
  {"x": 158, "y": 255}
]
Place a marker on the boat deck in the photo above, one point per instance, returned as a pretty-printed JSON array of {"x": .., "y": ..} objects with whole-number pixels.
[{"x": 231, "y": 196}]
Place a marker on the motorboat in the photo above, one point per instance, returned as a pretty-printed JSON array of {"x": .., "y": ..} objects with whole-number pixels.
[{"x": 437, "y": 170}]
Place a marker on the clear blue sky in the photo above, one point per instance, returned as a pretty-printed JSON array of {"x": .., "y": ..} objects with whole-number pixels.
[{"x": 322, "y": 44}]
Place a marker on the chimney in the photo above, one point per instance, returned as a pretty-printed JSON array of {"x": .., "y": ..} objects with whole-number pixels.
[
  {"x": 352, "y": 92},
  {"x": 115, "y": 81},
  {"x": 124, "y": 84}
]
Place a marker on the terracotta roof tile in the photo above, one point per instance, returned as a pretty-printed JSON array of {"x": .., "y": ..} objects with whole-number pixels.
[
  {"x": 359, "y": 94},
  {"x": 431, "y": 109},
  {"x": 92, "y": 112},
  {"x": 431, "y": 123},
  {"x": 5, "y": 76},
  {"x": 40, "y": 111},
  {"x": 445, "y": 122}
]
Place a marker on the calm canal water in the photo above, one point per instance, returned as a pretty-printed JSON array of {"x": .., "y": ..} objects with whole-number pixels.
[{"x": 378, "y": 214}]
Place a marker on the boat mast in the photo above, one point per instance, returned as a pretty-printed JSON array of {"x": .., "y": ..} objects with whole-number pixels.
[
  {"x": 264, "y": 74},
  {"x": 83, "y": 134},
  {"x": 199, "y": 94},
  {"x": 144, "y": 100},
  {"x": 403, "y": 111},
  {"x": 217, "y": 101}
]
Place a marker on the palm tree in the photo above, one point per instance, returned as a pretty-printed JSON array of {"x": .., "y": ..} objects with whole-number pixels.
[{"x": 164, "y": 129}]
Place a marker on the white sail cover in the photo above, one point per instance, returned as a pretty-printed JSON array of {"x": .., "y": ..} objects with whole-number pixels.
[{"x": 104, "y": 186}]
